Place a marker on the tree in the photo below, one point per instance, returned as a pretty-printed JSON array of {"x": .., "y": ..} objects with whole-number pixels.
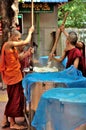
[
  {"x": 9, "y": 17},
  {"x": 77, "y": 13}
]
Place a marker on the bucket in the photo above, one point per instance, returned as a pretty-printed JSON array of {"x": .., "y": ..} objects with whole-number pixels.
[{"x": 43, "y": 60}]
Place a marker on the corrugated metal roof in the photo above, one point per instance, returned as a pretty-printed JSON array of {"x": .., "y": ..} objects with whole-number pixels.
[{"x": 50, "y": 1}]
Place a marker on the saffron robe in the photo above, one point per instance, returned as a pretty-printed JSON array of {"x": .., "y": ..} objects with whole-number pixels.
[
  {"x": 12, "y": 76},
  {"x": 10, "y": 66}
]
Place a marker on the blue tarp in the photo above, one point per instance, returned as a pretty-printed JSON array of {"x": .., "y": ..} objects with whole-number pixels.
[
  {"x": 62, "y": 109},
  {"x": 70, "y": 77}
]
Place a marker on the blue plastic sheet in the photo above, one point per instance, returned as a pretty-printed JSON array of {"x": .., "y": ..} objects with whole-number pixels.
[
  {"x": 62, "y": 109},
  {"x": 70, "y": 77}
]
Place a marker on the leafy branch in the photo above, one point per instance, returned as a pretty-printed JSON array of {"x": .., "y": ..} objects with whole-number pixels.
[{"x": 77, "y": 14}]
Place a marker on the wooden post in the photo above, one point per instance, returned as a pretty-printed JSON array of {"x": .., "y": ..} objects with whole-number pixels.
[
  {"x": 59, "y": 33},
  {"x": 32, "y": 12},
  {"x": 56, "y": 40}
]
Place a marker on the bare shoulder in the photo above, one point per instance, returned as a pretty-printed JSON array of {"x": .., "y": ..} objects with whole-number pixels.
[{"x": 8, "y": 45}]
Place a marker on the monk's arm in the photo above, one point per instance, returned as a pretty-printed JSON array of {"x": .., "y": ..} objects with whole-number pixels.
[{"x": 24, "y": 42}]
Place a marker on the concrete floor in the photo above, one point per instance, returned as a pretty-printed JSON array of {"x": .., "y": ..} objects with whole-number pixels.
[{"x": 20, "y": 120}]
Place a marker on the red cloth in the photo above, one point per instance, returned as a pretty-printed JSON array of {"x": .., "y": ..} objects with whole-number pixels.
[
  {"x": 15, "y": 104},
  {"x": 72, "y": 55},
  {"x": 25, "y": 63}
]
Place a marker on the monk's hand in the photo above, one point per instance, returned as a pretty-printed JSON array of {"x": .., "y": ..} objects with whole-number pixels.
[
  {"x": 31, "y": 29},
  {"x": 62, "y": 28},
  {"x": 32, "y": 50},
  {"x": 53, "y": 56},
  {"x": 50, "y": 55}
]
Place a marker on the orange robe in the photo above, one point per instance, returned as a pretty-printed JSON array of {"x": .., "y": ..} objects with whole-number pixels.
[
  {"x": 10, "y": 66},
  {"x": 12, "y": 76}
]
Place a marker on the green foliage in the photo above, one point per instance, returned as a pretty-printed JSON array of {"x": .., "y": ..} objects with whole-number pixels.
[
  {"x": 77, "y": 14},
  {"x": 20, "y": 0}
]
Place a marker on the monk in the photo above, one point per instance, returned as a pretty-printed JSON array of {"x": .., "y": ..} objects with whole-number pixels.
[
  {"x": 25, "y": 57},
  {"x": 74, "y": 55},
  {"x": 81, "y": 47},
  {"x": 10, "y": 69}
]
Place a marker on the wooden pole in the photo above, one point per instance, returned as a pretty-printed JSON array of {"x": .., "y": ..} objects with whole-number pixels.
[
  {"x": 57, "y": 39},
  {"x": 65, "y": 17},
  {"x": 32, "y": 12},
  {"x": 59, "y": 33}
]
